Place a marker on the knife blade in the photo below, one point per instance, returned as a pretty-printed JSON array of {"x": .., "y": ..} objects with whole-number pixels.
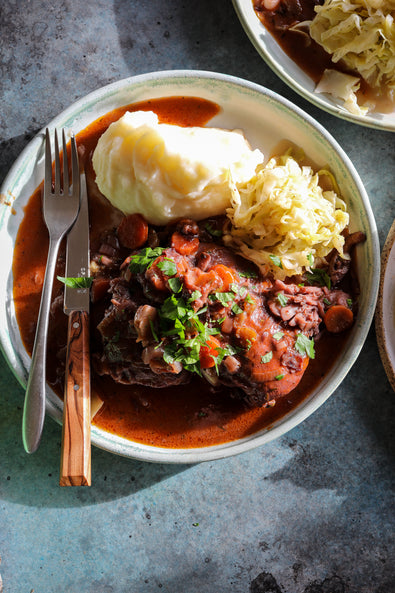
[{"x": 75, "y": 467}]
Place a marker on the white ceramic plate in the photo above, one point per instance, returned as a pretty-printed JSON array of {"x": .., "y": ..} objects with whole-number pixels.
[
  {"x": 266, "y": 120},
  {"x": 294, "y": 76},
  {"x": 385, "y": 314}
]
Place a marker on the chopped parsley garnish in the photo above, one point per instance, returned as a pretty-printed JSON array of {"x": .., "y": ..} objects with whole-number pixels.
[
  {"x": 310, "y": 259},
  {"x": 144, "y": 259},
  {"x": 175, "y": 284},
  {"x": 276, "y": 260},
  {"x": 168, "y": 266},
  {"x": 349, "y": 303},
  {"x": 223, "y": 297},
  {"x": 279, "y": 377},
  {"x": 248, "y": 274},
  {"x": 214, "y": 232},
  {"x": 236, "y": 309},
  {"x": 318, "y": 276},
  {"x": 186, "y": 334},
  {"x": 234, "y": 288},
  {"x": 267, "y": 357},
  {"x": 327, "y": 302},
  {"x": 195, "y": 296},
  {"x": 84, "y": 282},
  {"x": 179, "y": 328},
  {"x": 282, "y": 299},
  {"x": 153, "y": 332},
  {"x": 278, "y": 335},
  {"x": 305, "y": 345}
]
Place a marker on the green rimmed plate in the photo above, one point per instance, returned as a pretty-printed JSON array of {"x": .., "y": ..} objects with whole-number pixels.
[{"x": 266, "y": 120}]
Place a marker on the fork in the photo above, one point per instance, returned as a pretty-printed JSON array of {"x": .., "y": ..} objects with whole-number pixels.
[{"x": 60, "y": 209}]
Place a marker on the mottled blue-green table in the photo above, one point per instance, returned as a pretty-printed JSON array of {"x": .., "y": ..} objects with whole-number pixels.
[{"x": 312, "y": 512}]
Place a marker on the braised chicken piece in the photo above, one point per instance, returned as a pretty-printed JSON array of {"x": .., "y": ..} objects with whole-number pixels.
[{"x": 186, "y": 305}]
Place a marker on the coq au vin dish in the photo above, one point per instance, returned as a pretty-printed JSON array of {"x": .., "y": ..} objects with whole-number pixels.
[
  {"x": 218, "y": 278},
  {"x": 177, "y": 304}
]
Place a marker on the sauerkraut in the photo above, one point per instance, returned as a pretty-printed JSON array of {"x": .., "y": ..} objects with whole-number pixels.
[
  {"x": 283, "y": 220},
  {"x": 360, "y": 34}
]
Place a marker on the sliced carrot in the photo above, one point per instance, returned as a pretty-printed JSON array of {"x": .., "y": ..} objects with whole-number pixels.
[
  {"x": 133, "y": 231},
  {"x": 247, "y": 335},
  {"x": 338, "y": 318},
  {"x": 227, "y": 275},
  {"x": 209, "y": 352},
  {"x": 184, "y": 245}
]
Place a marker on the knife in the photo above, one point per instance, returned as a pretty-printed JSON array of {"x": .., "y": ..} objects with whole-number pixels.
[{"x": 75, "y": 466}]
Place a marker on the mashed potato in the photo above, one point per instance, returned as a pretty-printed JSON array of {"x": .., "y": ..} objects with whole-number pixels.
[{"x": 165, "y": 171}]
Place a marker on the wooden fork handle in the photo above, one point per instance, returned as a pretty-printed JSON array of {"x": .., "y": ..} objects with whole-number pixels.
[{"x": 75, "y": 465}]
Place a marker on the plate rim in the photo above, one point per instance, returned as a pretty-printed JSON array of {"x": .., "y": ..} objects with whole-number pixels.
[
  {"x": 381, "y": 334},
  {"x": 306, "y": 408}
]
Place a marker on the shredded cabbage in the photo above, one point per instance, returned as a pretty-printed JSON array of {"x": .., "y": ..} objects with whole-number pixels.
[
  {"x": 361, "y": 34},
  {"x": 343, "y": 86},
  {"x": 283, "y": 220}
]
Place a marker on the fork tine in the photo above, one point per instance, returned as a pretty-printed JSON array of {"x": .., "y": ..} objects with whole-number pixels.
[
  {"x": 48, "y": 165},
  {"x": 57, "y": 165},
  {"x": 75, "y": 166},
  {"x": 66, "y": 183}
]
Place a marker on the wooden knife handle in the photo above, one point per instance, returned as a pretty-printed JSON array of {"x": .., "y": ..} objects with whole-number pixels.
[{"x": 75, "y": 465}]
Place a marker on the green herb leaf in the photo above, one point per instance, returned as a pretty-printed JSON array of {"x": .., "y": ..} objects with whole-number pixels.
[
  {"x": 305, "y": 345},
  {"x": 214, "y": 232},
  {"x": 279, "y": 377},
  {"x": 310, "y": 259},
  {"x": 282, "y": 299},
  {"x": 223, "y": 297},
  {"x": 194, "y": 296},
  {"x": 278, "y": 335},
  {"x": 327, "y": 302},
  {"x": 267, "y": 357},
  {"x": 144, "y": 259},
  {"x": 168, "y": 266},
  {"x": 248, "y": 274},
  {"x": 175, "y": 284},
  {"x": 349, "y": 303},
  {"x": 84, "y": 282},
  {"x": 318, "y": 276},
  {"x": 243, "y": 292},
  {"x": 276, "y": 260},
  {"x": 174, "y": 308},
  {"x": 234, "y": 288},
  {"x": 236, "y": 309},
  {"x": 153, "y": 332}
]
